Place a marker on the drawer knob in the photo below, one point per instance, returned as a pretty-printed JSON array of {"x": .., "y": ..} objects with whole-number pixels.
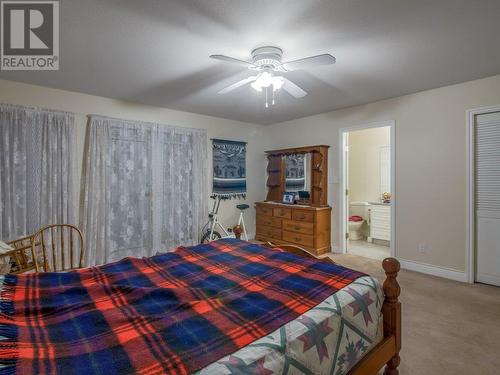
[
  {"x": 297, "y": 227},
  {"x": 297, "y": 239},
  {"x": 302, "y": 216}
]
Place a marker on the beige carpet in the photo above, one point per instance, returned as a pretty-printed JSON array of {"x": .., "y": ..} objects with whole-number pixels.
[{"x": 448, "y": 327}]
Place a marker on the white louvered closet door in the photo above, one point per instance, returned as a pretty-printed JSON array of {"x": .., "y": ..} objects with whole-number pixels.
[{"x": 487, "y": 166}]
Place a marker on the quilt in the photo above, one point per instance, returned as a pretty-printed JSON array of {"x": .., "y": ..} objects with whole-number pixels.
[
  {"x": 174, "y": 313},
  {"x": 329, "y": 339}
]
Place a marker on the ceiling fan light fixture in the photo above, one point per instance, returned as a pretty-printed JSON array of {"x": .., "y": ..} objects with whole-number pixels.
[
  {"x": 278, "y": 83},
  {"x": 266, "y": 79}
]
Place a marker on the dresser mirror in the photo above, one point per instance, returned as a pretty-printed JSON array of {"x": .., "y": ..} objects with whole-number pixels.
[{"x": 298, "y": 174}]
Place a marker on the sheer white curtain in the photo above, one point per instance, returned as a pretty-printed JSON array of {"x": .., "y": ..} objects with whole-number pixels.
[
  {"x": 181, "y": 187},
  {"x": 37, "y": 169},
  {"x": 145, "y": 188}
]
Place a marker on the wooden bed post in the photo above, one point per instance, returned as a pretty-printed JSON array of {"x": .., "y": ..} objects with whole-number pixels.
[
  {"x": 392, "y": 311},
  {"x": 237, "y": 230}
]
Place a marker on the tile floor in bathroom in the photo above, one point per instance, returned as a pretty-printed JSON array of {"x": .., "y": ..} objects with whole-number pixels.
[{"x": 368, "y": 250}]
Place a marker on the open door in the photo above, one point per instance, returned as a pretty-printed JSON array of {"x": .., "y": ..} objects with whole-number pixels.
[{"x": 345, "y": 193}]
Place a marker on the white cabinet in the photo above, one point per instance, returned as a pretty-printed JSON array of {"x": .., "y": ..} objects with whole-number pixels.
[{"x": 380, "y": 222}]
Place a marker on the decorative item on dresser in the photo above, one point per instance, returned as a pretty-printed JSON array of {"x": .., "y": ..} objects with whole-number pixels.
[{"x": 307, "y": 225}]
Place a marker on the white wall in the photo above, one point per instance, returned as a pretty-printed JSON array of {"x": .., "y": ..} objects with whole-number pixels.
[
  {"x": 430, "y": 163},
  {"x": 82, "y": 104},
  {"x": 364, "y": 163},
  {"x": 430, "y": 153}
]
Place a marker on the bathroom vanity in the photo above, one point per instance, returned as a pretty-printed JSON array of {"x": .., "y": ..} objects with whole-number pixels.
[
  {"x": 308, "y": 224},
  {"x": 380, "y": 221}
]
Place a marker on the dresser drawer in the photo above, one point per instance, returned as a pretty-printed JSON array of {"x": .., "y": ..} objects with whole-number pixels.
[
  {"x": 269, "y": 232},
  {"x": 269, "y": 221},
  {"x": 285, "y": 213},
  {"x": 298, "y": 226},
  {"x": 262, "y": 210},
  {"x": 298, "y": 238},
  {"x": 303, "y": 215}
]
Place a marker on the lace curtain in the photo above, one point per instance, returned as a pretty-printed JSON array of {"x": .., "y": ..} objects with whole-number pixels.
[
  {"x": 37, "y": 169},
  {"x": 145, "y": 188}
]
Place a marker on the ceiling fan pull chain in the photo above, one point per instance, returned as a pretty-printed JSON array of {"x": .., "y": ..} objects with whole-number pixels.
[
  {"x": 267, "y": 104},
  {"x": 272, "y": 88}
]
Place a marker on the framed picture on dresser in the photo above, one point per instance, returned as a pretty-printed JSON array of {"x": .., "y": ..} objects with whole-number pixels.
[{"x": 288, "y": 198}]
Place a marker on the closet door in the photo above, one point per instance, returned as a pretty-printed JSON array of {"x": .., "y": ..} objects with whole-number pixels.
[
  {"x": 131, "y": 188},
  {"x": 487, "y": 179}
]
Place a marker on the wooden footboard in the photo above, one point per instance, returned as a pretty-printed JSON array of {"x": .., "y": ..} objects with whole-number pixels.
[{"x": 387, "y": 351}]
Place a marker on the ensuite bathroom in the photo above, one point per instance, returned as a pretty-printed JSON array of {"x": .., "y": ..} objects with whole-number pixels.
[{"x": 369, "y": 192}]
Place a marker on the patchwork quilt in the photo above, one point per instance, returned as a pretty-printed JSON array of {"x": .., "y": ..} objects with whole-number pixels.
[
  {"x": 329, "y": 339},
  {"x": 176, "y": 313}
]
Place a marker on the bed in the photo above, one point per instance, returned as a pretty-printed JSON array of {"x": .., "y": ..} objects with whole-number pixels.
[{"x": 228, "y": 307}]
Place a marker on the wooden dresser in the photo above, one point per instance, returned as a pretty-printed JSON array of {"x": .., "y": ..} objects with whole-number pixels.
[{"x": 306, "y": 226}]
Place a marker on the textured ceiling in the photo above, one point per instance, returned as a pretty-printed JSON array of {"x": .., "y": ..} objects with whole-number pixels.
[{"x": 156, "y": 52}]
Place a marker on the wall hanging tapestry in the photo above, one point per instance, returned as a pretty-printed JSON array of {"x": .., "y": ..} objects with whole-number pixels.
[{"x": 229, "y": 179}]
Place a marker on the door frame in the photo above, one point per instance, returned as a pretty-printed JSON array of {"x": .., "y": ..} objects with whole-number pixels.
[
  {"x": 470, "y": 233},
  {"x": 343, "y": 226}
]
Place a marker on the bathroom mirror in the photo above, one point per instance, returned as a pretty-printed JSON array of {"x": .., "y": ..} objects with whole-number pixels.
[{"x": 298, "y": 172}]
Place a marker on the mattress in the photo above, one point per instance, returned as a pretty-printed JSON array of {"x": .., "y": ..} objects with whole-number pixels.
[{"x": 328, "y": 339}]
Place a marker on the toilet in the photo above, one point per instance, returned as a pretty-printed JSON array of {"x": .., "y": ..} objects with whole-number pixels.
[
  {"x": 355, "y": 224},
  {"x": 357, "y": 212}
]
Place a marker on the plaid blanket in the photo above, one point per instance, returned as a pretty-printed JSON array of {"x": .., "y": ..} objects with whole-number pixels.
[{"x": 169, "y": 314}]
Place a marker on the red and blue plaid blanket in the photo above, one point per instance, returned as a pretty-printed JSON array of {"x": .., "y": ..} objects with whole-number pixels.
[{"x": 169, "y": 314}]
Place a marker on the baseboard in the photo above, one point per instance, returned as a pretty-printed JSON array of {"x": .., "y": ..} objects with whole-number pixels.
[
  {"x": 447, "y": 273},
  {"x": 336, "y": 250}
]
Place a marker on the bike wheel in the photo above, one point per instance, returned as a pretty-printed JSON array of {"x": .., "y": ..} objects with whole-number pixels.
[{"x": 215, "y": 236}]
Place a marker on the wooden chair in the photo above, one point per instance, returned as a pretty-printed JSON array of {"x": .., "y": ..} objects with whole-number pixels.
[
  {"x": 22, "y": 258},
  {"x": 60, "y": 247}
]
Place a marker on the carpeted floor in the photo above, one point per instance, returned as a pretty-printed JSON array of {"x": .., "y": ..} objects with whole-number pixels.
[{"x": 448, "y": 327}]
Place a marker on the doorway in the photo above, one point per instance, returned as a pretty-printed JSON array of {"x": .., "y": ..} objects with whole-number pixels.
[
  {"x": 367, "y": 222},
  {"x": 484, "y": 195}
]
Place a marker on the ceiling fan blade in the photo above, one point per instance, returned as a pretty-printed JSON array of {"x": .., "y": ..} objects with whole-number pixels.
[
  {"x": 232, "y": 60},
  {"x": 293, "y": 89},
  {"x": 325, "y": 59},
  {"x": 234, "y": 86}
]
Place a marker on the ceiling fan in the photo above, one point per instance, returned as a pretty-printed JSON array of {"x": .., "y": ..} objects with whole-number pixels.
[{"x": 267, "y": 62}]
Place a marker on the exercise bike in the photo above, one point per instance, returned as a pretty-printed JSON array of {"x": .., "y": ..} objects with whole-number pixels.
[{"x": 210, "y": 234}]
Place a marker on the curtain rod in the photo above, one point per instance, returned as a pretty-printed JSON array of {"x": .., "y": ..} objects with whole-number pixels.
[
  {"x": 34, "y": 108},
  {"x": 150, "y": 123}
]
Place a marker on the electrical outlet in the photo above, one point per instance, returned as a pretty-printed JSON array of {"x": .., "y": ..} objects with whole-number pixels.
[{"x": 423, "y": 247}]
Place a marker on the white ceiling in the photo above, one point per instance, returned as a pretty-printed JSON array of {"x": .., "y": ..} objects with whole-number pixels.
[{"x": 156, "y": 52}]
